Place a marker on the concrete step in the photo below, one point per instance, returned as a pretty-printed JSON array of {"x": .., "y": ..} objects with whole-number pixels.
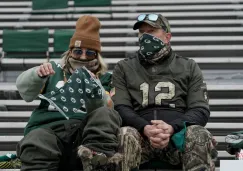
[
  {"x": 21, "y": 125},
  {"x": 117, "y": 16},
  {"x": 8, "y": 91},
  {"x": 36, "y": 102},
  {"x": 132, "y": 8},
  {"x": 124, "y": 2},
  {"x": 211, "y": 87},
  {"x": 122, "y": 23},
  {"x": 192, "y": 48},
  {"x": 219, "y": 139},
  {"x": 184, "y": 30},
  {"x": 208, "y": 39},
  {"x": 215, "y": 115},
  {"x": 215, "y": 63}
]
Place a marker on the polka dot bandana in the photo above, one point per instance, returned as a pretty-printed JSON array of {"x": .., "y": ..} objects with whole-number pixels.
[{"x": 82, "y": 93}]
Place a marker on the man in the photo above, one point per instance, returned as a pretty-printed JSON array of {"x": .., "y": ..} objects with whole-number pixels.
[{"x": 163, "y": 99}]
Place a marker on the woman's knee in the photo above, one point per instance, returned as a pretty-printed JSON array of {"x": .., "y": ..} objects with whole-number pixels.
[
  {"x": 38, "y": 143},
  {"x": 107, "y": 114}
]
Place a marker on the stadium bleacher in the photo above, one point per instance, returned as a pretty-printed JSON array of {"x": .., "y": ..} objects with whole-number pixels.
[{"x": 208, "y": 31}]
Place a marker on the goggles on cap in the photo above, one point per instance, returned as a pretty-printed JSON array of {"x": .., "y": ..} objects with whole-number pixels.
[{"x": 151, "y": 17}]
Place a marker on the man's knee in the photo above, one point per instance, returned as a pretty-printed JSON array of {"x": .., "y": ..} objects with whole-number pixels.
[
  {"x": 128, "y": 137},
  {"x": 198, "y": 138},
  {"x": 198, "y": 135},
  {"x": 129, "y": 131},
  {"x": 130, "y": 147},
  {"x": 199, "y": 149}
]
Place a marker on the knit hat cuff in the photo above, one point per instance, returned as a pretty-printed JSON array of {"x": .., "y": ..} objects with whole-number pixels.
[{"x": 85, "y": 42}]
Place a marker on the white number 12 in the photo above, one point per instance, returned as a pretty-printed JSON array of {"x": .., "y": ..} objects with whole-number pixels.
[{"x": 161, "y": 96}]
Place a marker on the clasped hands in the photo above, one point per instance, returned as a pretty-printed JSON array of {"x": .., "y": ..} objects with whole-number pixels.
[{"x": 158, "y": 133}]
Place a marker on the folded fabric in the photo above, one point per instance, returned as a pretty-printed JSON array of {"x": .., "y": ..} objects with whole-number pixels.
[
  {"x": 179, "y": 138},
  {"x": 82, "y": 93},
  {"x": 12, "y": 164},
  {"x": 235, "y": 139},
  {"x": 9, "y": 161},
  {"x": 7, "y": 157}
]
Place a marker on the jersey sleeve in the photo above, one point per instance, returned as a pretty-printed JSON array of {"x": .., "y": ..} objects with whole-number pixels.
[
  {"x": 197, "y": 89},
  {"x": 29, "y": 84},
  {"x": 120, "y": 93},
  {"x": 105, "y": 80}
]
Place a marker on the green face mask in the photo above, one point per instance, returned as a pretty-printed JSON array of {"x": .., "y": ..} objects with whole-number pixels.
[{"x": 152, "y": 48}]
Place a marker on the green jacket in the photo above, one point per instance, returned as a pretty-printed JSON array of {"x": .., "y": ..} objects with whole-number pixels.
[{"x": 29, "y": 85}]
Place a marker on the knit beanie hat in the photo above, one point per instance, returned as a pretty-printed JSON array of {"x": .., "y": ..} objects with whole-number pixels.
[{"x": 86, "y": 33}]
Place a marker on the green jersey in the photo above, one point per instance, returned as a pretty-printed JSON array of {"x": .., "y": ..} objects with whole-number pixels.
[
  {"x": 46, "y": 114},
  {"x": 176, "y": 83}
]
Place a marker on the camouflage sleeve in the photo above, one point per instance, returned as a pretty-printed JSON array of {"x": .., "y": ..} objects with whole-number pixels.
[
  {"x": 197, "y": 89},
  {"x": 120, "y": 92}
]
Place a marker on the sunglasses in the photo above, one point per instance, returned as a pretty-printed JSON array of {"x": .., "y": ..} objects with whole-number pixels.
[{"x": 90, "y": 54}]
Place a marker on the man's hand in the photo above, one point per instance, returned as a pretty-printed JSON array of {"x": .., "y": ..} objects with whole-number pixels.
[
  {"x": 160, "y": 141},
  {"x": 158, "y": 137},
  {"x": 45, "y": 69},
  {"x": 168, "y": 129},
  {"x": 151, "y": 131},
  {"x": 162, "y": 138}
]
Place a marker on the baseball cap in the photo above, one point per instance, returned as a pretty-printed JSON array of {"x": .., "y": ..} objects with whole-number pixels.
[{"x": 155, "y": 20}]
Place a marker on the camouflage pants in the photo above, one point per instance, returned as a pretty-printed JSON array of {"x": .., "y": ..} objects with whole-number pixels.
[{"x": 197, "y": 156}]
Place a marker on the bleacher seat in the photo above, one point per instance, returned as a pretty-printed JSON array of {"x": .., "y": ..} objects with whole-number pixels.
[
  {"x": 21, "y": 45},
  {"x": 17, "y": 44},
  {"x": 208, "y": 31},
  {"x": 49, "y": 4},
  {"x": 61, "y": 42},
  {"x": 93, "y": 3}
]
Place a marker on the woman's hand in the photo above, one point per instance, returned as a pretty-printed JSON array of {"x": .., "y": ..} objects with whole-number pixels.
[{"x": 45, "y": 70}]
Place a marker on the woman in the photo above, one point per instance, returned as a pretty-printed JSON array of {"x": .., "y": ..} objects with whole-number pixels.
[{"x": 53, "y": 132}]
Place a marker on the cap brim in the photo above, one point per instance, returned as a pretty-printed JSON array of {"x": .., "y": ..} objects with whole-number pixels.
[{"x": 138, "y": 24}]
